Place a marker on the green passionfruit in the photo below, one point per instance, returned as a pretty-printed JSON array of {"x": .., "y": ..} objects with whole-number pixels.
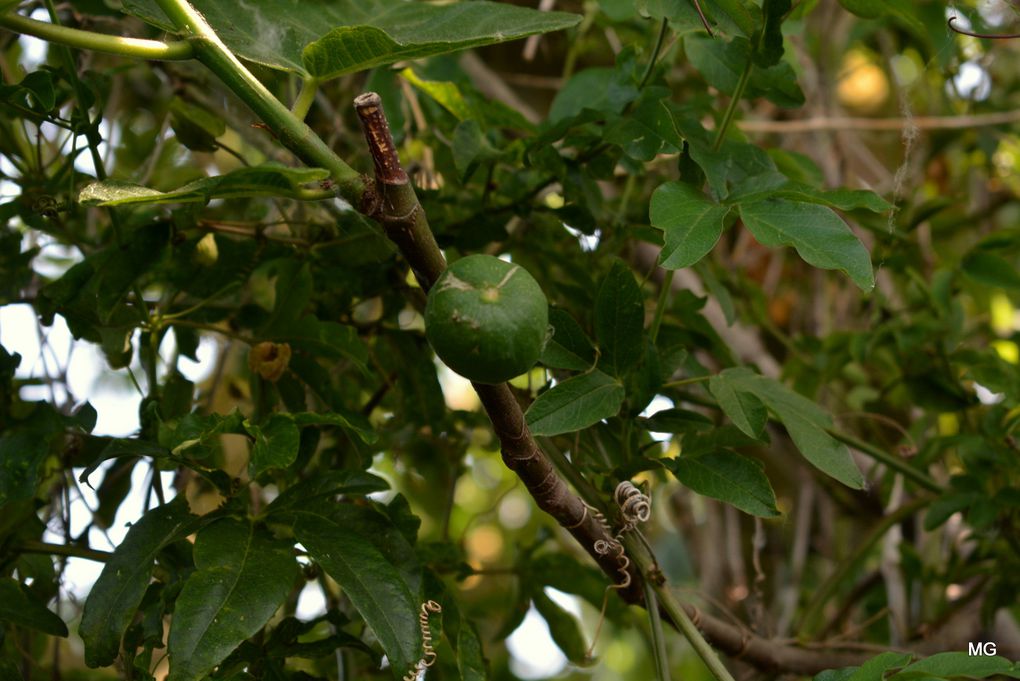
[{"x": 487, "y": 319}]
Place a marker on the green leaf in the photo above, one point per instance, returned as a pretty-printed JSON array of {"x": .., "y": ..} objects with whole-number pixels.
[
  {"x": 804, "y": 420},
  {"x": 328, "y": 484},
  {"x": 569, "y": 347},
  {"x": 15, "y": 264},
  {"x": 745, "y": 410},
  {"x": 843, "y": 199},
  {"x": 198, "y": 434},
  {"x": 691, "y": 221},
  {"x": 341, "y": 539},
  {"x": 575, "y": 403},
  {"x": 327, "y": 339},
  {"x": 446, "y": 93},
  {"x": 242, "y": 576},
  {"x": 25, "y": 446},
  {"x": 123, "y": 447},
  {"x": 770, "y": 48},
  {"x": 647, "y": 129},
  {"x": 268, "y": 180},
  {"x": 471, "y": 147},
  {"x": 730, "y": 477},
  {"x": 21, "y": 607},
  {"x": 723, "y": 63},
  {"x": 835, "y": 674},
  {"x": 901, "y": 11},
  {"x": 597, "y": 88},
  {"x": 737, "y": 168},
  {"x": 563, "y": 627},
  {"x": 348, "y": 420},
  {"x": 22, "y": 452},
  {"x": 112, "y": 603},
  {"x": 196, "y": 128},
  {"x": 619, "y": 320},
  {"x": 90, "y": 294},
  {"x": 328, "y": 38},
  {"x": 945, "y": 506},
  {"x": 276, "y": 443},
  {"x": 820, "y": 236},
  {"x": 470, "y": 660},
  {"x": 991, "y": 270},
  {"x": 38, "y": 84},
  {"x": 732, "y": 16},
  {"x": 675, "y": 421},
  {"x": 953, "y": 664},
  {"x": 283, "y": 287},
  {"x": 875, "y": 668},
  {"x": 467, "y": 104}
]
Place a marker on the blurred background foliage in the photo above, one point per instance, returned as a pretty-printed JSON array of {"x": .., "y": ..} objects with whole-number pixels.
[{"x": 547, "y": 150}]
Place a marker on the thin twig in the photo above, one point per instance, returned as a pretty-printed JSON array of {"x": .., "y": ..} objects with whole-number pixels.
[
  {"x": 846, "y": 123},
  {"x": 986, "y": 36}
]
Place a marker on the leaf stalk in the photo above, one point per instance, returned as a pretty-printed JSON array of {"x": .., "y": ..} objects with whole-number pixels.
[{"x": 136, "y": 48}]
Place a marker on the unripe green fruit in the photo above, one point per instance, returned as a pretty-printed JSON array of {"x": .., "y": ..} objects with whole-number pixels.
[{"x": 487, "y": 319}]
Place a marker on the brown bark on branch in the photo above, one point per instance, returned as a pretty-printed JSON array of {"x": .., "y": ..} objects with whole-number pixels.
[{"x": 393, "y": 203}]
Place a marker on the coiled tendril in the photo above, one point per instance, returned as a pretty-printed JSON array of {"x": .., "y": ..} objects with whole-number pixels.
[
  {"x": 428, "y": 657},
  {"x": 635, "y": 507}
]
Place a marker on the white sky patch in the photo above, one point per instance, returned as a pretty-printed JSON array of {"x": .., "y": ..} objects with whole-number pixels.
[
  {"x": 33, "y": 54},
  {"x": 995, "y": 12},
  {"x": 86, "y": 369},
  {"x": 972, "y": 82},
  {"x": 81, "y": 574},
  {"x": 589, "y": 242},
  {"x": 535, "y": 655},
  {"x": 311, "y": 603},
  {"x": 986, "y": 396},
  {"x": 8, "y": 189},
  {"x": 196, "y": 372},
  {"x": 658, "y": 403}
]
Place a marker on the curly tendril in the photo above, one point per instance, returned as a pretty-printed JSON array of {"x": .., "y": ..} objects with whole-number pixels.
[
  {"x": 635, "y": 507},
  {"x": 428, "y": 657},
  {"x": 984, "y": 36}
]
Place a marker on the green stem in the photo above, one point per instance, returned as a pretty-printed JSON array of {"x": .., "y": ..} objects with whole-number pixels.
[
  {"x": 843, "y": 567},
  {"x": 676, "y": 612},
  {"x": 98, "y": 42},
  {"x": 687, "y": 381},
  {"x": 305, "y": 98},
  {"x": 171, "y": 317},
  {"x": 289, "y": 129},
  {"x": 731, "y": 110},
  {"x": 663, "y": 30},
  {"x": 658, "y": 639},
  {"x": 890, "y": 460},
  {"x": 660, "y": 305},
  {"x": 70, "y": 550},
  {"x": 578, "y": 38}
]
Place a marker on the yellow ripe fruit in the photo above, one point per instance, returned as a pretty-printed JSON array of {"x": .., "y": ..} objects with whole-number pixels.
[{"x": 863, "y": 85}]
